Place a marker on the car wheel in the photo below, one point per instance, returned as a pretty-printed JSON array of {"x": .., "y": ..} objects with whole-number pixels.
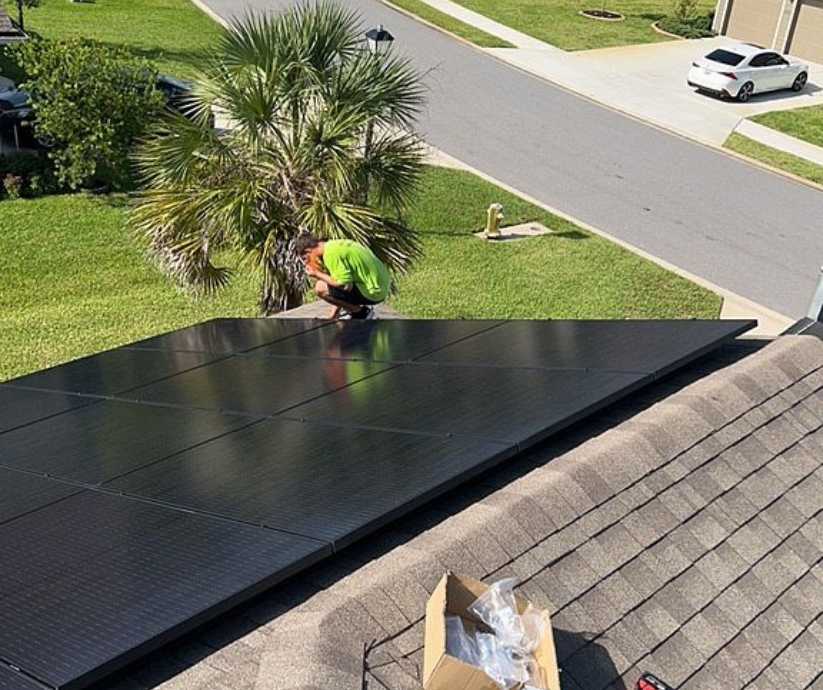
[
  {"x": 745, "y": 92},
  {"x": 800, "y": 82}
]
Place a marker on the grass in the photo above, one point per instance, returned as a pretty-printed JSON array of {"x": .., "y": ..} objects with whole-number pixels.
[
  {"x": 776, "y": 158},
  {"x": 173, "y": 33},
  {"x": 570, "y": 274},
  {"x": 449, "y": 23},
  {"x": 803, "y": 123},
  {"x": 75, "y": 282},
  {"x": 559, "y": 23}
]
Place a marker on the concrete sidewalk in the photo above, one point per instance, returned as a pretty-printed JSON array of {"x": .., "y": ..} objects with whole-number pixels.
[
  {"x": 645, "y": 81},
  {"x": 783, "y": 142}
]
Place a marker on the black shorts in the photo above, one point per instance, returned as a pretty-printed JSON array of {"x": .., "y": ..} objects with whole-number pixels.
[{"x": 353, "y": 296}]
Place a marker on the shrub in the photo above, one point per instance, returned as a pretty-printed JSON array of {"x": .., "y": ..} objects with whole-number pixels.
[
  {"x": 696, "y": 27},
  {"x": 92, "y": 101},
  {"x": 685, "y": 9},
  {"x": 13, "y": 184}
]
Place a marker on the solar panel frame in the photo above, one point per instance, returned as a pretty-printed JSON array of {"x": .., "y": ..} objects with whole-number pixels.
[
  {"x": 20, "y": 407},
  {"x": 11, "y": 679}
]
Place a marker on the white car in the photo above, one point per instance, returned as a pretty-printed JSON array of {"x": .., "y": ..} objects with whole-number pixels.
[{"x": 741, "y": 70}]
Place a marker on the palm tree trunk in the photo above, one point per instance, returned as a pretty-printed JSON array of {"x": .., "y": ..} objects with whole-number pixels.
[{"x": 275, "y": 299}]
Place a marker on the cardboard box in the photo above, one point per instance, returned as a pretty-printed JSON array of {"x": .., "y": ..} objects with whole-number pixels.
[{"x": 441, "y": 671}]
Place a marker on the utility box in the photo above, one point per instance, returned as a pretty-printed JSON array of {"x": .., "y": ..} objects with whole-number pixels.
[{"x": 454, "y": 596}]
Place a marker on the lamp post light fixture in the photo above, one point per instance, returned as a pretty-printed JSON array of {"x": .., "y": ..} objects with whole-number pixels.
[{"x": 379, "y": 40}]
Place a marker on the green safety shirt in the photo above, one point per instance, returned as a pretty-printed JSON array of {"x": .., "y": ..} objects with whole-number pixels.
[{"x": 351, "y": 263}]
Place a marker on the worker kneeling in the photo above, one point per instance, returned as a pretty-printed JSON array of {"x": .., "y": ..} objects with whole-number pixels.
[{"x": 348, "y": 275}]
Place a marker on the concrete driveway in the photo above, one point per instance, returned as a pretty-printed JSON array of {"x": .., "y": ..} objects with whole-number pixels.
[{"x": 649, "y": 82}]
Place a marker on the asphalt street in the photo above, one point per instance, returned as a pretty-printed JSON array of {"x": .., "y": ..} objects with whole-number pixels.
[{"x": 742, "y": 227}]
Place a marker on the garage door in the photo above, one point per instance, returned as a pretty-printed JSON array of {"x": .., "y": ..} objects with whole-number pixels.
[
  {"x": 807, "y": 36},
  {"x": 754, "y": 21}
]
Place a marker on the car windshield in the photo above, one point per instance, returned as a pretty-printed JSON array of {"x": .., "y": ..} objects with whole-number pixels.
[{"x": 725, "y": 56}]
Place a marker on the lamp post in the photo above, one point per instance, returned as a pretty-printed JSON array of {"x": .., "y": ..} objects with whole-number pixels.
[{"x": 379, "y": 41}]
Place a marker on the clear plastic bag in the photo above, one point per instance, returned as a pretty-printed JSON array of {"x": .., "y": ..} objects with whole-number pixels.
[
  {"x": 459, "y": 643},
  {"x": 501, "y": 663},
  {"x": 497, "y": 608}
]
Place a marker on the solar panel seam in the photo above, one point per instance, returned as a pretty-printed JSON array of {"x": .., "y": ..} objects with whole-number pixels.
[
  {"x": 41, "y": 419},
  {"x": 497, "y": 324},
  {"x": 137, "y": 346},
  {"x": 104, "y": 490}
]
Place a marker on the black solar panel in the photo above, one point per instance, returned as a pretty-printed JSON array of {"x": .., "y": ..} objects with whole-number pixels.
[
  {"x": 96, "y": 443},
  {"x": 651, "y": 347},
  {"x": 114, "y": 371},
  {"x": 321, "y": 481},
  {"x": 22, "y": 493},
  {"x": 19, "y": 407},
  {"x": 509, "y": 405},
  {"x": 228, "y": 336},
  {"x": 380, "y": 340},
  {"x": 86, "y": 581},
  {"x": 256, "y": 385},
  {"x": 229, "y": 456}
]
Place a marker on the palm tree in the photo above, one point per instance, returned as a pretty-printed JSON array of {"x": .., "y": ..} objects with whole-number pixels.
[{"x": 299, "y": 92}]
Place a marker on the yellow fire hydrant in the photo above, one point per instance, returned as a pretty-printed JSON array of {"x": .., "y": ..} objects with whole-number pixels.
[{"x": 493, "y": 218}]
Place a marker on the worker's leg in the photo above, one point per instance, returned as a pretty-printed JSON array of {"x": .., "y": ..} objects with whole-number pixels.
[{"x": 336, "y": 298}]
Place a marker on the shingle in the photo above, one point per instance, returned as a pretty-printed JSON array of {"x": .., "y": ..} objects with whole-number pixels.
[
  {"x": 755, "y": 591},
  {"x": 700, "y": 454},
  {"x": 558, "y": 495},
  {"x": 696, "y": 587},
  {"x": 720, "y": 622},
  {"x": 703, "y": 636},
  {"x": 676, "y": 605},
  {"x": 802, "y": 601},
  {"x": 671, "y": 561},
  {"x": 737, "y": 607},
  {"x": 619, "y": 543},
  {"x": 592, "y": 483},
  {"x": 702, "y": 482},
  {"x": 782, "y": 517},
  {"x": 556, "y": 591},
  {"x": 627, "y": 641},
  {"x": 529, "y": 514},
  {"x": 765, "y": 637},
  {"x": 677, "y": 503},
  {"x": 794, "y": 464},
  {"x": 657, "y": 620},
  {"x": 599, "y": 559},
  {"x": 802, "y": 417},
  {"x": 803, "y": 548},
  {"x": 643, "y": 574},
  {"x": 778, "y": 435},
  {"x": 678, "y": 656},
  {"x": 759, "y": 489},
  {"x": 799, "y": 669},
  {"x": 595, "y": 521},
  {"x": 705, "y": 529},
  {"x": 600, "y": 608},
  {"x": 574, "y": 574},
  {"x": 736, "y": 507},
  {"x": 724, "y": 668},
  {"x": 620, "y": 592},
  {"x": 807, "y": 496},
  {"x": 746, "y": 657},
  {"x": 773, "y": 575},
  {"x": 753, "y": 541}
]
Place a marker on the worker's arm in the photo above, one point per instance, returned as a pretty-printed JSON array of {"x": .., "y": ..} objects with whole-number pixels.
[{"x": 326, "y": 278}]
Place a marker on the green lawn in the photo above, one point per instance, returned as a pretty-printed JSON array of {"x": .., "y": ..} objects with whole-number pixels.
[
  {"x": 449, "y": 23},
  {"x": 558, "y": 21},
  {"x": 774, "y": 157},
  {"x": 803, "y": 123},
  {"x": 173, "y": 33},
  {"x": 75, "y": 282}
]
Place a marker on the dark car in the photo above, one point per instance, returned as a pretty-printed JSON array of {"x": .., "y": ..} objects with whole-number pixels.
[
  {"x": 15, "y": 108},
  {"x": 178, "y": 95}
]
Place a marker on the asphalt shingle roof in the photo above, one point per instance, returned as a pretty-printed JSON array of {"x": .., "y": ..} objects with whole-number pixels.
[{"x": 686, "y": 541}]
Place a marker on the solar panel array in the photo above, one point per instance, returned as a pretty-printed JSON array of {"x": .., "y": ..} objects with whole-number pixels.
[{"x": 146, "y": 489}]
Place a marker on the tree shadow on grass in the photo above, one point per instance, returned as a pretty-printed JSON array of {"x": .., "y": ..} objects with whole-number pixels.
[
  {"x": 192, "y": 59},
  {"x": 571, "y": 235}
]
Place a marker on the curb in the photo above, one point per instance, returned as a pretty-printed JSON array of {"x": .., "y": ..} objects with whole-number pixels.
[{"x": 203, "y": 7}]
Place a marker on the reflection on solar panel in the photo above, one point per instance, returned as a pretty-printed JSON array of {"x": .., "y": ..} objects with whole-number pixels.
[{"x": 148, "y": 488}]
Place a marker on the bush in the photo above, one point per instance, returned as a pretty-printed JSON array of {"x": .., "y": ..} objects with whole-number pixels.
[
  {"x": 92, "y": 101},
  {"x": 684, "y": 9},
  {"x": 13, "y": 184},
  {"x": 35, "y": 170},
  {"x": 696, "y": 27}
]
